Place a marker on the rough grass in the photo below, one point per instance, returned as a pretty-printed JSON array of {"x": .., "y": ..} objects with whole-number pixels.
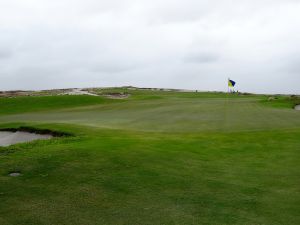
[
  {"x": 175, "y": 158},
  {"x": 282, "y": 101},
  {"x": 39, "y": 103}
]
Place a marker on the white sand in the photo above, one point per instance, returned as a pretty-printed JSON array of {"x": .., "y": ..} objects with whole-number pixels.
[
  {"x": 10, "y": 138},
  {"x": 15, "y": 174},
  {"x": 297, "y": 107},
  {"x": 79, "y": 92}
]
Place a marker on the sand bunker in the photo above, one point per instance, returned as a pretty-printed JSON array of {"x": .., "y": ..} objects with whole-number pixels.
[
  {"x": 14, "y": 174},
  {"x": 9, "y": 138},
  {"x": 77, "y": 91},
  {"x": 297, "y": 107}
]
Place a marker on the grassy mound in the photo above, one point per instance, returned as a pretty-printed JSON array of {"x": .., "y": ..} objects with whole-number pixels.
[{"x": 40, "y": 103}]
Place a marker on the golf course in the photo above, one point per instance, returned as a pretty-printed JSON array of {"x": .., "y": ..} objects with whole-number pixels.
[{"x": 151, "y": 157}]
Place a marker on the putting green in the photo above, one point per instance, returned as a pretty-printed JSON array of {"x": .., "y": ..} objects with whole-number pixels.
[{"x": 154, "y": 158}]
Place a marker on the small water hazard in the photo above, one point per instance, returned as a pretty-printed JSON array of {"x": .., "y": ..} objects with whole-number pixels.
[{"x": 8, "y": 138}]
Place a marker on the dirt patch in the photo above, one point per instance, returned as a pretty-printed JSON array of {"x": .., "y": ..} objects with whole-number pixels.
[
  {"x": 8, "y": 94},
  {"x": 116, "y": 95}
]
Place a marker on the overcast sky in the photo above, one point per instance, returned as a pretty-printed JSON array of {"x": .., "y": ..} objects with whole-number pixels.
[{"x": 190, "y": 44}]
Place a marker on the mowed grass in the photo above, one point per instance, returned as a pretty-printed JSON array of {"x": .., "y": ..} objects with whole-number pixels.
[{"x": 155, "y": 158}]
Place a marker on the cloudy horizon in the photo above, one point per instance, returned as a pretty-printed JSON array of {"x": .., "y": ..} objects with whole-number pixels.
[{"x": 191, "y": 44}]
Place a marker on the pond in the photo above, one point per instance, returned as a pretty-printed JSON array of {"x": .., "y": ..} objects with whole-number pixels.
[{"x": 9, "y": 138}]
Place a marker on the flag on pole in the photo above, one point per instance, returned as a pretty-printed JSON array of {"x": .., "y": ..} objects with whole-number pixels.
[{"x": 231, "y": 83}]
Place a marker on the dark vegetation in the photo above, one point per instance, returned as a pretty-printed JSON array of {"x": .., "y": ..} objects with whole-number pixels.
[{"x": 38, "y": 131}]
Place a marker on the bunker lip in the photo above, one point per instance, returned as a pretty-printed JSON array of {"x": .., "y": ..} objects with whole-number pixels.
[
  {"x": 34, "y": 130},
  {"x": 11, "y": 136}
]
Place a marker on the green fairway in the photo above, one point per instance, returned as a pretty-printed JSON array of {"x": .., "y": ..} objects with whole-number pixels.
[{"x": 155, "y": 158}]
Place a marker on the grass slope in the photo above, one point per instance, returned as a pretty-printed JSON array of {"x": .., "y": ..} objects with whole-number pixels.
[
  {"x": 155, "y": 158},
  {"x": 39, "y": 103}
]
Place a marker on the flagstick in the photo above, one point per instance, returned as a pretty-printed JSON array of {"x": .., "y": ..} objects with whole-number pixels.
[
  {"x": 228, "y": 85},
  {"x": 226, "y": 104}
]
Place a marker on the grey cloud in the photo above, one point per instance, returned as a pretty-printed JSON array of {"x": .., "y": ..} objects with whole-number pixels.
[
  {"x": 5, "y": 53},
  {"x": 291, "y": 64},
  {"x": 112, "y": 67},
  {"x": 173, "y": 43},
  {"x": 294, "y": 68},
  {"x": 201, "y": 58}
]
